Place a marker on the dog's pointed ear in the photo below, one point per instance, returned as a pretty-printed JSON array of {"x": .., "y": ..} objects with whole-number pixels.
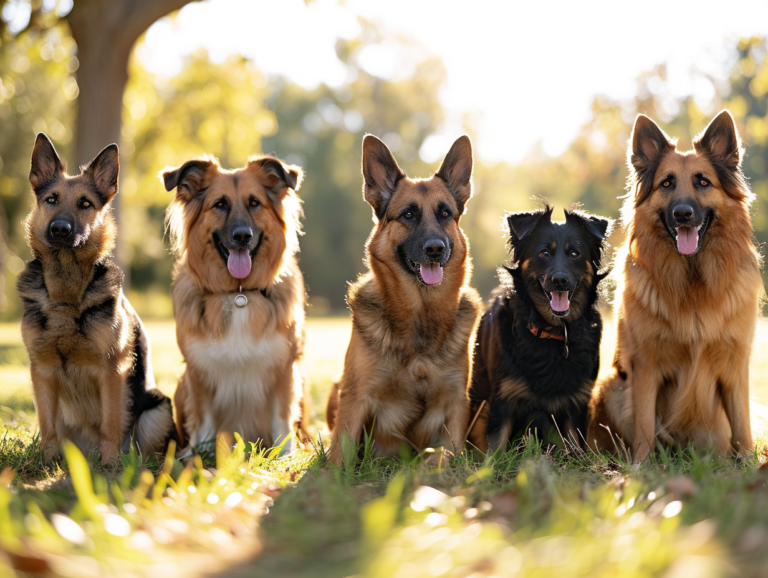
[
  {"x": 522, "y": 223},
  {"x": 648, "y": 145},
  {"x": 189, "y": 179},
  {"x": 456, "y": 171},
  {"x": 381, "y": 174},
  {"x": 104, "y": 170},
  {"x": 46, "y": 164},
  {"x": 720, "y": 141},
  {"x": 279, "y": 176},
  {"x": 599, "y": 227}
]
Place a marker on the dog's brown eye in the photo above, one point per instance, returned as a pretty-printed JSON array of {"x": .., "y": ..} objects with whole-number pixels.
[
  {"x": 575, "y": 254},
  {"x": 666, "y": 184},
  {"x": 544, "y": 253},
  {"x": 85, "y": 204},
  {"x": 51, "y": 200},
  {"x": 408, "y": 215},
  {"x": 704, "y": 182},
  {"x": 445, "y": 214},
  {"x": 222, "y": 204},
  {"x": 255, "y": 202}
]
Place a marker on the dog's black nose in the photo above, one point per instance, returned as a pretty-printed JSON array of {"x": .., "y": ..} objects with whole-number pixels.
[
  {"x": 60, "y": 229},
  {"x": 560, "y": 282},
  {"x": 434, "y": 247},
  {"x": 242, "y": 234},
  {"x": 683, "y": 213}
]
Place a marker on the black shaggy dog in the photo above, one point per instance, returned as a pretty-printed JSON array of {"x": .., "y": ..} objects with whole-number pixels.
[{"x": 538, "y": 346}]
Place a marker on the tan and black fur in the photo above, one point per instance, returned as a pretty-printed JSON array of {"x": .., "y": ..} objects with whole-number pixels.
[
  {"x": 408, "y": 365},
  {"x": 535, "y": 365},
  {"x": 242, "y": 364},
  {"x": 89, "y": 353},
  {"x": 686, "y": 317}
]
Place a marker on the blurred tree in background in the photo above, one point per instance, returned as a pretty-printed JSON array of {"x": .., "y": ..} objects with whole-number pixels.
[
  {"x": 37, "y": 93},
  {"x": 233, "y": 110},
  {"x": 322, "y": 130},
  {"x": 104, "y": 33}
]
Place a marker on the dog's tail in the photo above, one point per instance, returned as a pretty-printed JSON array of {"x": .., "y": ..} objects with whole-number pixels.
[{"x": 154, "y": 428}]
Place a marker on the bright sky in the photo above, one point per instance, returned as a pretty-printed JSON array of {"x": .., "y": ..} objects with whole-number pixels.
[{"x": 528, "y": 69}]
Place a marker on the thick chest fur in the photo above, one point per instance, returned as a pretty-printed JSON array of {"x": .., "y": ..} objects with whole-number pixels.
[
  {"x": 92, "y": 329},
  {"x": 75, "y": 335},
  {"x": 239, "y": 364},
  {"x": 418, "y": 359},
  {"x": 535, "y": 371},
  {"x": 691, "y": 305}
]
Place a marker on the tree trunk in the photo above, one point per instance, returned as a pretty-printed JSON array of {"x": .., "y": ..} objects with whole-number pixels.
[{"x": 105, "y": 32}]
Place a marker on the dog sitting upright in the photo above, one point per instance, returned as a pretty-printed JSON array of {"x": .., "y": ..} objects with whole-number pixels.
[
  {"x": 408, "y": 365},
  {"x": 89, "y": 354},
  {"x": 238, "y": 300},
  {"x": 538, "y": 346}
]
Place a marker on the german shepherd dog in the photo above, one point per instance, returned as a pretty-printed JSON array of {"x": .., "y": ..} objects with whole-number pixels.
[
  {"x": 408, "y": 365},
  {"x": 688, "y": 297},
  {"x": 89, "y": 353},
  {"x": 238, "y": 300},
  {"x": 538, "y": 346}
]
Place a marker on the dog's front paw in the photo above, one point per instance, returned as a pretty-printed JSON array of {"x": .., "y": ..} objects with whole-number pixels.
[
  {"x": 109, "y": 451},
  {"x": 50, "y": 452}
]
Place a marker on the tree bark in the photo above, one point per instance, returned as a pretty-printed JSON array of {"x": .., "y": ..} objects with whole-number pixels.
[{"x": 105, "y": 32}]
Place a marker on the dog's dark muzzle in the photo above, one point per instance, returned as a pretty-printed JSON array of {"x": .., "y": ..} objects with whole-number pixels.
[
  {"x": 426, "y": 259},
  {"x": 61, "y": 232},
  {"x": 686, "y": 222},
  {"x": 237, "y": 238}
]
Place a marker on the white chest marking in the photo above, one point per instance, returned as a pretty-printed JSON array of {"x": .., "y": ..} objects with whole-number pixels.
[{"x": 239, "y": 369}]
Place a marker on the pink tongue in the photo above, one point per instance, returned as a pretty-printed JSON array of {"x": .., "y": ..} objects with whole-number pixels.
[
  {"x": 239, "y": 263},
  {"x": 687, "y": 239},
  {"x": 559, "y": 301},
  {"x": 431, "y": 273}
]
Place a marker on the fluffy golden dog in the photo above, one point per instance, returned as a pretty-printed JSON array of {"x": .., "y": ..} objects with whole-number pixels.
[
  {"x": 688, "y": 297},
  {"x": 238, "y": 299}
]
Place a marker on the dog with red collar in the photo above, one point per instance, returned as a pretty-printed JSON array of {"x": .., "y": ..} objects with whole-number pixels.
[{"x": 538, "y": 346}]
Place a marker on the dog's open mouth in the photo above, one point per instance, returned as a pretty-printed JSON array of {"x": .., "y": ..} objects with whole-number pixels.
[
  {"x": 688, "y": 238},
  {"x": 559, "y": 302},
  {"x": 428, "y": 273},
  {"x": 239, "y": 261}
]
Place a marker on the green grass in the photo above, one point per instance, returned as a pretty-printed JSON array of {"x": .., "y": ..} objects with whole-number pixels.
[{"x": 527, "y": 512}]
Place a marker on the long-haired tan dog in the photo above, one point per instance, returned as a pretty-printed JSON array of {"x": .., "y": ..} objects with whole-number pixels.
[
  {"x": 408, "y": 365},
  {"x": 89, "y": 354},
  {"x": 238, "y": 300},
  {"x": 688, "y": 297}
]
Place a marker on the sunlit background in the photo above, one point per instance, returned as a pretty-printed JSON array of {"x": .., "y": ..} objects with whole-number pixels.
[{"x": 548, "y": 92}]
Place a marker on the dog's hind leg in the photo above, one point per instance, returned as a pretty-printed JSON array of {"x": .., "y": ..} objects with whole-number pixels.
[{"x": 332, "y": 407}]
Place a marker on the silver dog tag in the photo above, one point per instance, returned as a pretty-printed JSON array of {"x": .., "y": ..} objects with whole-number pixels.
[{"x": 240, "y": 299}]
